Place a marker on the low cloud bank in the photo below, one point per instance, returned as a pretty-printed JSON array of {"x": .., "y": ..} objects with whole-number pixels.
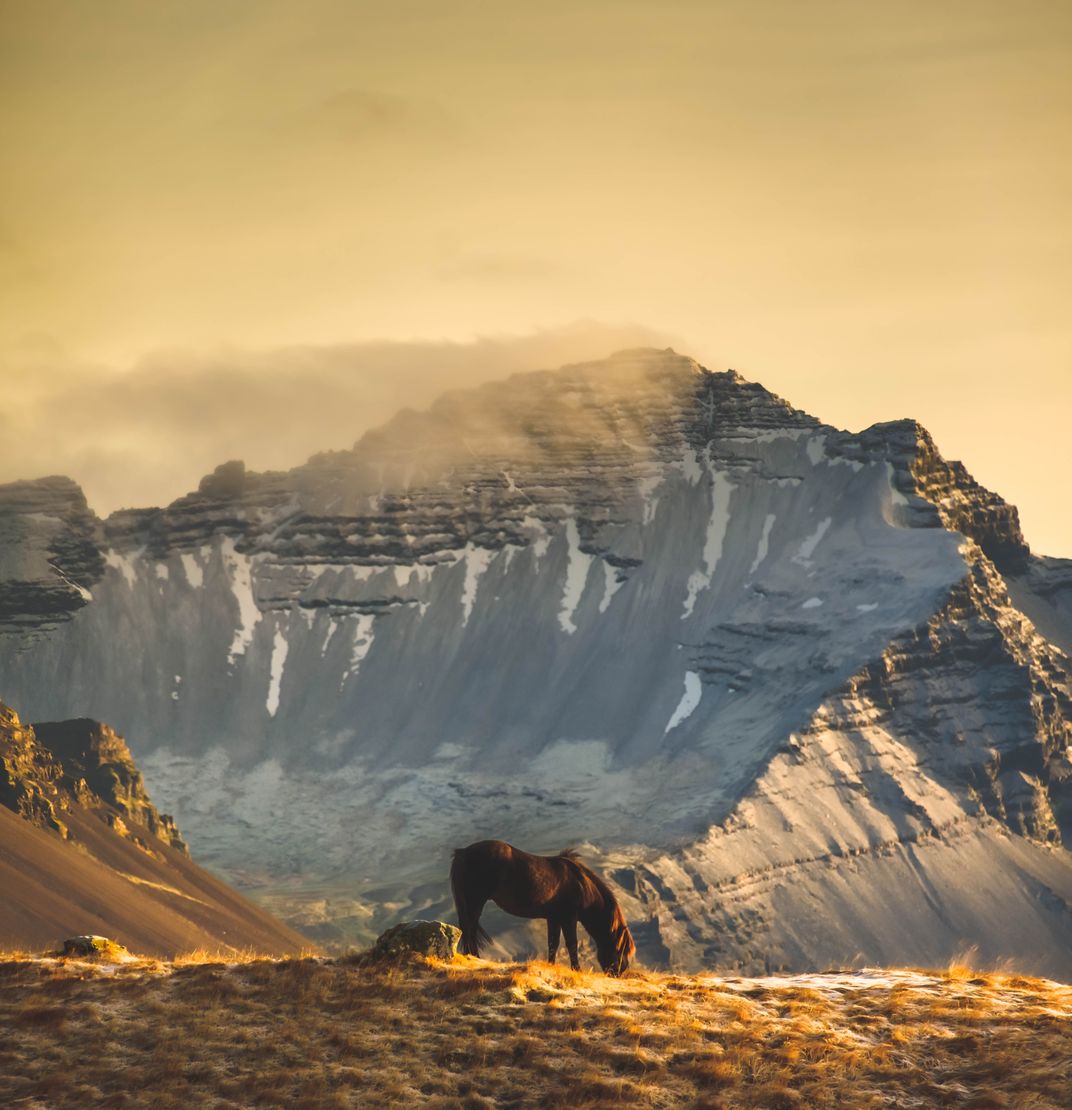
[{"x": 146, "y": 435}]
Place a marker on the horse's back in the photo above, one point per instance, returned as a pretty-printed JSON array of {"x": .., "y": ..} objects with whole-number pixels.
[
  {"x": 484, "y": 862},
  {"x": 490, "y": 848},
  {"x": 499, "y": 852},
  {"x": 518, "y": 881}
]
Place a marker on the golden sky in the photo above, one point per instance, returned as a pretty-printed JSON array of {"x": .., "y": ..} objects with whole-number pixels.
[{"x": 212, "y": 208}]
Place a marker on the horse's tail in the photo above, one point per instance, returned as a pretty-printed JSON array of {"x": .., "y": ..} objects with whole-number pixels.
[{"x": 468, "y": 913}]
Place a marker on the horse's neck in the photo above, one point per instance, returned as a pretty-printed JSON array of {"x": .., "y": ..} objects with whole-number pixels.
[{"x": 595, "y": 912}]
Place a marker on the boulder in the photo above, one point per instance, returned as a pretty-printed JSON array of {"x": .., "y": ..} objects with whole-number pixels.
[
  {"x": 95, "y": 948},
  {"x": 418, "y": 938}
]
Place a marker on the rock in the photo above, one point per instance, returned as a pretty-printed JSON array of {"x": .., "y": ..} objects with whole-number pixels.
[
  {"x": 418, "y": 938},
  {"x": 95, "y": 948}
]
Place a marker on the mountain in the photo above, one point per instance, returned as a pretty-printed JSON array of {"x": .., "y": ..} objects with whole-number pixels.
[
  {"x": 84, "y": 850},
  {"x": 801, "y": 692}
]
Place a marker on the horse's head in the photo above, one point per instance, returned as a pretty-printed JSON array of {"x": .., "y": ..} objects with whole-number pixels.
[
  {"x": 602, "y": 917},
  {"x": 616, "y": 949}
]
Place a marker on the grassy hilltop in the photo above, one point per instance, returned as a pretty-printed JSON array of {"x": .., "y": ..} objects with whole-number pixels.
[{"x": 318, "y": 1032}]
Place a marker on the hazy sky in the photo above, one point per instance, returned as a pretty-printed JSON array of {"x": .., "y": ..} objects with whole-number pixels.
[{"x": 210, "y": 208}]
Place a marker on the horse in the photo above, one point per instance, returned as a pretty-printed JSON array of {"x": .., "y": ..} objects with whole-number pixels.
[{"x": 559, "y": 888}]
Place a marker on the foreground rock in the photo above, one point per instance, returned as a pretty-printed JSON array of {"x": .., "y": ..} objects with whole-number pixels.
[
  {"x": 96, "y": 948},
  {"x": 418, "y": 938}
]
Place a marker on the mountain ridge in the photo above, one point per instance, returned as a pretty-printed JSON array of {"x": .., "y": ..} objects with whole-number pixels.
[{"x": 590, "y": 606}]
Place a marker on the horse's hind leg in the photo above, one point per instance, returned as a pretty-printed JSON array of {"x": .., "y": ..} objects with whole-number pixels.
[
  {"x": 569, "y": 931},
  {"x": 469, "y": 922},
  {"x": 471, "y": 891},
  {"x": 554, "y": 932}
]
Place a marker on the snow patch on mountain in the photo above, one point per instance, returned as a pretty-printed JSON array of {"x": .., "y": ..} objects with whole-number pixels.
[
  {"x": 126, "y": 563},
  {"x": 646, "y": 487},
  {"x": 239, "y": 567},
  {"x": 280, "y": 646},
  {"x": 612, "y": 583},
  {"x": 477, "y": 560},
  {"x": 579, "y": 563},
  {"x": 718, "y": 522},
  {"x": 193, "y": 570},
  {"x": 807, "y": 548},
  {"x": 363, "y": 636},
  {"x": 764, "y": 543},
  {"x": 816, "y": 448},
  {"x": 896, "y": 497},
  {"x": 690, "y": 699}
]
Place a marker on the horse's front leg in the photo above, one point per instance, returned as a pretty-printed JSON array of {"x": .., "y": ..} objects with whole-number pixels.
[
  {"x": 554, "y": 932},
  {"x": 569, "y": 931}
]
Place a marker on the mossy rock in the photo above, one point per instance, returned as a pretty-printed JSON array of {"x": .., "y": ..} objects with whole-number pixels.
[
  {"x": 418, "y": 938},
  {"x": 95, "y": 948}
]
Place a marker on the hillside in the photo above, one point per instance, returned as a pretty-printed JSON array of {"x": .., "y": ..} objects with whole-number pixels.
[
  {"x": 801, "y": 693},
  {"x": 83, "y": 850},
  {"x": 336, "y": 1033}
]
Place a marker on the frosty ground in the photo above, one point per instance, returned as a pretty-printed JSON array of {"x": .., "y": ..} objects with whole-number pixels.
[{"x": 345, "y": 1032}]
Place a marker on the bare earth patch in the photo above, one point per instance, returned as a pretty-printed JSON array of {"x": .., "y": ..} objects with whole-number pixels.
[{"x": 318, "y": 1032}]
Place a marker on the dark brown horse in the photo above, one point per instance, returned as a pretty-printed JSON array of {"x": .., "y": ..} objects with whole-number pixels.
[{"x": 559, "y": 888}]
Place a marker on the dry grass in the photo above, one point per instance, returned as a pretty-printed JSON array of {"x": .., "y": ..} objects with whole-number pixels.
[{"x": 314, "y": 1032}]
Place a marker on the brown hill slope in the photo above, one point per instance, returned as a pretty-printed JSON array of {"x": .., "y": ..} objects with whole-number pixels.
[
  {"x": 327, "y": 1033},
  {"x": 83, "y": 850}
]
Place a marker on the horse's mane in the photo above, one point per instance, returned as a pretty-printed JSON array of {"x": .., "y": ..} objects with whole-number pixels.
[
  {"x": 586, "y": 874},
  {"x": 619, "y": 929}
]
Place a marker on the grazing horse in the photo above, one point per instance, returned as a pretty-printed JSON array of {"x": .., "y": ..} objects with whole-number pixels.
[{"x": 559, "y": 888}]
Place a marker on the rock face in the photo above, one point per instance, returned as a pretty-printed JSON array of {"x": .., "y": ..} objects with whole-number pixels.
[
  {"x": 30, "y": 776},
  {"x": 95, "y": 758},
  {"x": 781, "y": 681},
  {"x": 49, "y": 553},
  {"x": 46, "y": 770}
]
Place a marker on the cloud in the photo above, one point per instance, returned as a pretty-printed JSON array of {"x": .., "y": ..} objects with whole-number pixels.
[{"x": 146, "y": 435}]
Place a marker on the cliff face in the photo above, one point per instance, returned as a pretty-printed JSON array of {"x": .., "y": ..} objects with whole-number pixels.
[
  {"x": 96, "y": 761},
  {"x": 30, "y": 776},
  {"x": 49, "y": 554},
  {"x": 47, "y": 770},
  {"x": 632, "y": 605}
]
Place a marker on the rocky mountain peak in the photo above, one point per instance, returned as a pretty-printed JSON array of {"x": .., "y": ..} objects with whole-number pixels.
[
  {"x": 47, "y": 770},
  {"x": 228, "y": 480},
  {"x": 966, "y": 506},
  {"x": 95, "y": 758}
]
